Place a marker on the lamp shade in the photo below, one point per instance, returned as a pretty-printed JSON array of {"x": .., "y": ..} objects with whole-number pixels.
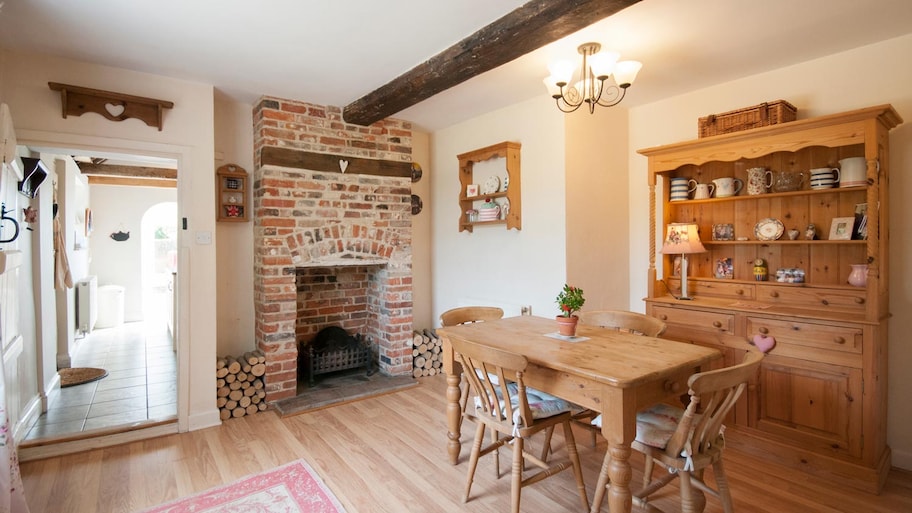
[
  {"x": 625, "y": 72},
  {"x": 682, "y": 238}
]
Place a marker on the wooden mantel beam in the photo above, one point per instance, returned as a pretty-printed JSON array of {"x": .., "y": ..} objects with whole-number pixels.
[{"x": 528, "y": 28}]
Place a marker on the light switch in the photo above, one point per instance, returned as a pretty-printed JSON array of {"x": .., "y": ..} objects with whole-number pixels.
[{"x": 204, "y": 237}]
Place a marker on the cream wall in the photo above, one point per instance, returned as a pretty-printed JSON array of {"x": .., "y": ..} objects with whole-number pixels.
[
  {"x": 597, "y": 207},
  {"x": 188, "y": 137},
  {"x": 494, "y": 265},
  {"x": 863, "y": 77},
  {"x": 234, "y": 241},
  {"x": 422, "y": 313}
]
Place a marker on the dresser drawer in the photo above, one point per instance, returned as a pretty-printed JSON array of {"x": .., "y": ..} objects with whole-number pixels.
[
  {"x": 837, "y": 299},
  {"x": 714, "y": 288},
  {"x": 696, "y": 319},
  {"x": 838, "y": 345}
]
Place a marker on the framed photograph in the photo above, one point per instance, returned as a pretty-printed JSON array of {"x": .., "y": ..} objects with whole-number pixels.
[
  {"x": 723, "y": 231},
  {"x": 842, "y": 227},
  {"x": 471, "y": 190}
]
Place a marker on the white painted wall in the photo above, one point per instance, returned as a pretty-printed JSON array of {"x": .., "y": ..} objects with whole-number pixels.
[
  {"x": 492, "y": 264},
  {"x": 119, "y": 208},
  {"x": 863, "y": 77},
  {"x": 187, "y": 136}
]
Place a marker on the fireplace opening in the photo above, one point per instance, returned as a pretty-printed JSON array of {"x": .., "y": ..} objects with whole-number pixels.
[{"x": 334, "y": 350}]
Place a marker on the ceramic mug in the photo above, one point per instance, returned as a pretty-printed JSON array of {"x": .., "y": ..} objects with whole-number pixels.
[
  {"x": 824, "y": 177},
  {"x": 728, "y": 186},
  {"x": 704, "y": 190},
  {"x": 853, "y": 172},
  {"x": 681, "y": 188},
  {"x": 759, "y": 180}
]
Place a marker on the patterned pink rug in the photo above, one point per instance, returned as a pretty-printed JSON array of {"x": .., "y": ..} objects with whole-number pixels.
[{"x": 291, "y": 488}]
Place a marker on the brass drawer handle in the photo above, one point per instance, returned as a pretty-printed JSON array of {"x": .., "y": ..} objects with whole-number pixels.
[
  {"x": 763, "y": 330},
  {"x": 774, "y": 294},
  {"x": 839, "y": 340},
  {"x": 717, "y": 324}
]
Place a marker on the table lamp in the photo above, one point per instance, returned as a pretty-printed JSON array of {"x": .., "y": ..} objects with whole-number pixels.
[{"x": 683, "y": 239}]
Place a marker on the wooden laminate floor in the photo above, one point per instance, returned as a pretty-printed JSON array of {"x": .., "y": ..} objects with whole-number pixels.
[{"x": 387, "y": 454}]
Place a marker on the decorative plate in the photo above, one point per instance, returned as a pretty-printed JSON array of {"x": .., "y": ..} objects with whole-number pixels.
[
  {"x": 505, "y": 183},
  {"x": 491, "y": 185},
  {"x": 769, "y": 229}
]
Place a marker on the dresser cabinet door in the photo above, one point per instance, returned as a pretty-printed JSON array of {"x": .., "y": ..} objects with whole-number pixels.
[{"x": 811, "y": 404}]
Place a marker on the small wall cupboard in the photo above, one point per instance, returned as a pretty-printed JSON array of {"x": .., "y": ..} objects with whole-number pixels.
[
  {"x": 232, "y": 190},
  {"x": 820, "y": 400}
]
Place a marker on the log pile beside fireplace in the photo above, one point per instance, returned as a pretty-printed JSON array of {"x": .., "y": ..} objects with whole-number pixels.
[
  {"x": 240, "y": 389},
  {"x": 427, "y": 354}
]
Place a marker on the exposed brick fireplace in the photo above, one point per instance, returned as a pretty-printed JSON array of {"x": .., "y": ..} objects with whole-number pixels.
[{"x": 332, "y": 235}]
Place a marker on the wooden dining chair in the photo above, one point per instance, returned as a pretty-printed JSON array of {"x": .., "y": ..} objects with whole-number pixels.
[
  {"x": 469, "y": 314},
  {"x": 619, "y": 320},
  {"x": 686, "y": 441},
  {"x": 503, "y": 404},
  {"x": 630, "y": 322}
]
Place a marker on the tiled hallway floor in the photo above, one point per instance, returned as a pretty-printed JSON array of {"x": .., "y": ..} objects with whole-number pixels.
[{"x": 141, "y": 383}]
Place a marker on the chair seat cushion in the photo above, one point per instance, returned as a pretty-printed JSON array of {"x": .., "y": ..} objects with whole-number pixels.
[
  {"x": 541, "y": 404},
  {"x": 655, "y": 426}
]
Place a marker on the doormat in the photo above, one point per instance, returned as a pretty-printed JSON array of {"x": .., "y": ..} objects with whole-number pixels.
[
  {"x": 79, "y": 375},
  {"x": 291, "y": 488},
  {"x": 334, "y": 391}
]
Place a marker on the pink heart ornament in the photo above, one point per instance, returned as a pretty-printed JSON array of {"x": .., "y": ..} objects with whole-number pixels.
[{"x": 764, "y": 343}]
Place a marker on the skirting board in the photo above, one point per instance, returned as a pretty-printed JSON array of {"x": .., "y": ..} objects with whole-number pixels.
[{"x": 902, "y": 459}]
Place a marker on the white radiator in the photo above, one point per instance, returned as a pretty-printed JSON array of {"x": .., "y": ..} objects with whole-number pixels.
[{"x": 86, "y": 303}]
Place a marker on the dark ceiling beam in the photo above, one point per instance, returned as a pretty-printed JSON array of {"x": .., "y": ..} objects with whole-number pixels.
[
  {"x": 524, "y": 30},
  {"x": 127, "y": 171}
]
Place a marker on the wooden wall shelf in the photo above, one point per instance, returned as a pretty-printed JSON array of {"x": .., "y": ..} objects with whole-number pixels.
[
  {"x": 510, "y": 151},
  {"x": 77, "y": 101},
  {"x": 232, "y": 190}
]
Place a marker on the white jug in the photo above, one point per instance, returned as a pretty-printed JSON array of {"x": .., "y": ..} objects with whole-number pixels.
[
  {"x": 704, "y": 191},
  {"x": 853, "y": 172}
]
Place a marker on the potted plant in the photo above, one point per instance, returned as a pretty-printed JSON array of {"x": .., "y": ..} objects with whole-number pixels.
[{"x": 570, "y": 300}]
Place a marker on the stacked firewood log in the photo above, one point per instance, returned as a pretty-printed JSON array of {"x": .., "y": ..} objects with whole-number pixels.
[
  {"x": 426, "y": 354},
  {"x": 239, "y": 383}
]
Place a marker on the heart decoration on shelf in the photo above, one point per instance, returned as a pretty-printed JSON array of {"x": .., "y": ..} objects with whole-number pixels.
[
  {"x": 115, "y": 110},
  {"x": 763, "y": 342},
  {"x": 343, "y": 165}
]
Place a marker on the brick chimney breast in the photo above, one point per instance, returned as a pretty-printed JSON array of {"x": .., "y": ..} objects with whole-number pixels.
[{"x": 332, "y": 241}]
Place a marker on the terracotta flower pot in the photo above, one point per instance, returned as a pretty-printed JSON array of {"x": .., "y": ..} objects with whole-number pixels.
[{"x": 566, "y": 326}]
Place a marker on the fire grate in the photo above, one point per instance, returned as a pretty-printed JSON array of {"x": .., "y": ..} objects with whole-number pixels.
[{"x": 333, "y": 350}]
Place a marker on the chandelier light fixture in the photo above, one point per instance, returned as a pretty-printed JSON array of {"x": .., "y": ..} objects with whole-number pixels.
[{"x": 593, "y": 87}]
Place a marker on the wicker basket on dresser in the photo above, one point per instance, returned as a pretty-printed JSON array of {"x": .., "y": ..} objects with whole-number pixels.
[{"x": 820, "y": 400}]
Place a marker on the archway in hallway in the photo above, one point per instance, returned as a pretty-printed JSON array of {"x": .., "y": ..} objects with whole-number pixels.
[{"x": 158, "y": 249}]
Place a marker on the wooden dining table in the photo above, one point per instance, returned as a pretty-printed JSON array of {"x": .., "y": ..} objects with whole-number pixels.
[{"x": 612, "y": 372}]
